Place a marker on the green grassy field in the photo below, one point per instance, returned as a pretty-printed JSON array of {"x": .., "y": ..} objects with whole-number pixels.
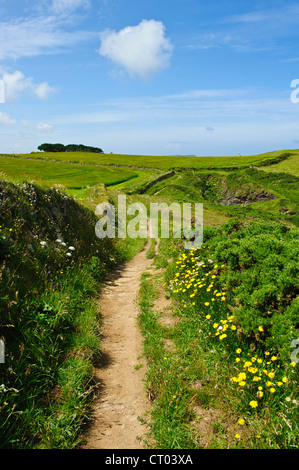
[
  {"x": 160, "y": 162},
  {"x": 291, "y": 166},
  {"x": 71, "y": 176}
]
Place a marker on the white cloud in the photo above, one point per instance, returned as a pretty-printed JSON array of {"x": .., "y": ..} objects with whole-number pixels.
[
  {"x": 43, "y": 90},
  {"x": 44, "y": 128},
  {"x": 29, "y": 37},
  {"x": 5, "y": 119},
  {"x": 141, "y": 50},
  {"x": 40, "y": 127},
  {"x": 62, "y": 6},
  {"x": 16, "y": 83}
]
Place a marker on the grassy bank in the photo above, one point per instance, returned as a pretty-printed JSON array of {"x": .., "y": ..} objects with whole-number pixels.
[{"x": 52, "y": 267}]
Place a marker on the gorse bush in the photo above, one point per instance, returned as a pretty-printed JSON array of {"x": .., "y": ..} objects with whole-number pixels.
[{"x": 261, "y": 277}]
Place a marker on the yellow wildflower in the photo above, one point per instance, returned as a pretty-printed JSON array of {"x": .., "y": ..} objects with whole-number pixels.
[{"x": 247, "y": 364}]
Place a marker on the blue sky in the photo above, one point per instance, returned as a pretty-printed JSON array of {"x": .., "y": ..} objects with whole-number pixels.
[{"x": 151, "y": 77}]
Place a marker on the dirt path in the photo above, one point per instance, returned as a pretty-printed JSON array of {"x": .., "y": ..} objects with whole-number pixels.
[{"x": 122, "y": 397}]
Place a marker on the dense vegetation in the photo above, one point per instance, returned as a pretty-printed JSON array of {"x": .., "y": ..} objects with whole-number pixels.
[{"x": 68, "y": 148}]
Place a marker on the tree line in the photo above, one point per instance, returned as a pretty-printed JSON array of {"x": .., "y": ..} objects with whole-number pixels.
[{"x": 68, "y": 148}]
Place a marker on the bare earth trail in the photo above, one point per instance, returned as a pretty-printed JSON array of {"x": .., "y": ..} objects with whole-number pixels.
[{"x": 122, "y": 397}]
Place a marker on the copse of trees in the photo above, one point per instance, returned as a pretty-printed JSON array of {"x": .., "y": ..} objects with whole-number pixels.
[{"x": 68, "y": 148}]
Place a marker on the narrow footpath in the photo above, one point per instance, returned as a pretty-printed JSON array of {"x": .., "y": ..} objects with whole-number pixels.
[{"x": 121, "y": 395}]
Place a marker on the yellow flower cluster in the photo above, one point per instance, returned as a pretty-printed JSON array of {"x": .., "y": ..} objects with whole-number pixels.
[
  {"x": 223, "y": 327},
  {"x": 259, "y": 376},
  {"x": 192, "y": 276},
  {"x": 195, "y": 280}
]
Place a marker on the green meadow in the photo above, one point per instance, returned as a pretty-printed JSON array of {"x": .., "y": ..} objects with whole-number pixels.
[
  {"x": 71, "y": 176},
  {"x": 161, "y": 162}
]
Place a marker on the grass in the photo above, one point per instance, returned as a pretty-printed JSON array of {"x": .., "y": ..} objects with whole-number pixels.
[
  {"x": 171, "y": 410},
  {"x": 290, "y": 166},
  {"x": 69, "y": 176},
  {"x": 158, "y": 162},
  {"x": 58, "y": 379}
]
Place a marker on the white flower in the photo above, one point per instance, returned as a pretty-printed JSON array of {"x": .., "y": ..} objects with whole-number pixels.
[
  {"x": 71, "y": 248},
  {"x": 69, "y": 254},
  {"x": 63, "y": 244},
  {"x": 43, "y": 243},
  {"x": 58, "y": 240}
]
